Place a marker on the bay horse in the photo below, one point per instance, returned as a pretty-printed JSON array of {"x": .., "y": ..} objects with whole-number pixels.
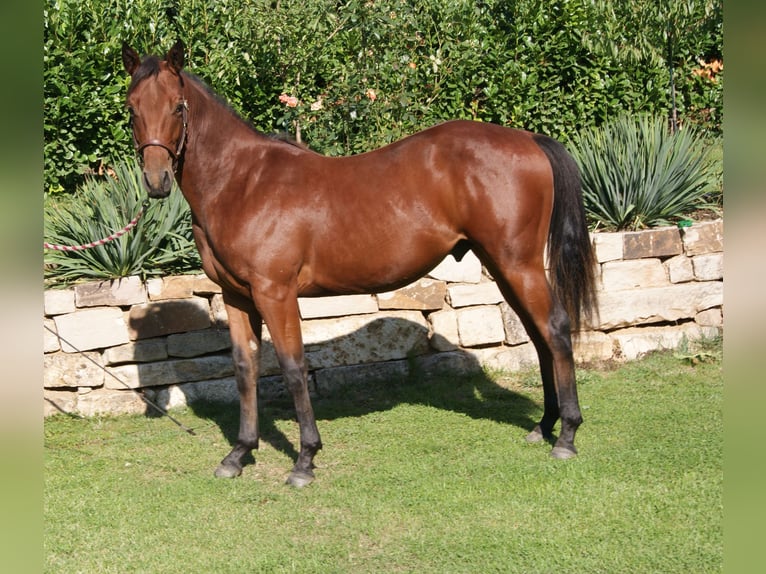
[{"x": 274, "y": 221}]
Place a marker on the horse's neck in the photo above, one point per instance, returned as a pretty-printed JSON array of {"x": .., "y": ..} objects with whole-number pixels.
[{"x": 216, "y": 137}]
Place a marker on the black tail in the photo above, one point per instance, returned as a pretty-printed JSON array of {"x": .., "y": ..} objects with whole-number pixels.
[{"x": 570, "y": 253}]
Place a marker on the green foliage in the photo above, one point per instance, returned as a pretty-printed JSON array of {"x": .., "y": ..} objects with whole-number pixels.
[
  {"x": 160, "y": 243},
  {"x": 365, "y": 73},
  {"x": 637, "y": 173},
  {"x": 697, "y": 351},
  {"x": 655, "y": 35}
]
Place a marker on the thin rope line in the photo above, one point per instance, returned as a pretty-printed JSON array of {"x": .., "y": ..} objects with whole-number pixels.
[
  {"x": 133, "y": 222},
  {"x": 159, "y": 409}
]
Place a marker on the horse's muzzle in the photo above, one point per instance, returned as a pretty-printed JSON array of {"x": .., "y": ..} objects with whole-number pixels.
[
  {"x": 157, "y": 170},
  {"x": 158, "y": 183}
]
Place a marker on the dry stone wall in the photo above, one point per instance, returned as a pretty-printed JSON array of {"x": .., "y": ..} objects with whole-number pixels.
[{"x": 169, "y": 339}]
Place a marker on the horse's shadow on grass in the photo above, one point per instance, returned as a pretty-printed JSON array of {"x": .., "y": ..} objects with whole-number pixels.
[
  {"x": 472, "y": 394},
  {"x": 452, "y": 381}
]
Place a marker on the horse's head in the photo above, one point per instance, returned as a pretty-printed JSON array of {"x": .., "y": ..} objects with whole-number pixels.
[{"x": 158, "y": 113}]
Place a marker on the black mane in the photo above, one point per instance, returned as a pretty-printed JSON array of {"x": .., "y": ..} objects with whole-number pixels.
[
  {"x": 150, "y": 66},
  {"x": 276, "y": 136}
]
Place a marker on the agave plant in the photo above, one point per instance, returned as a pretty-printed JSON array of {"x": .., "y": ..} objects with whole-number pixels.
[
  {"x": 161, "y": 243},
  {"x": 637, "y": 173}
]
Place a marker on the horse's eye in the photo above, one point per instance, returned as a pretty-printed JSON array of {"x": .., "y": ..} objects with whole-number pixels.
[{"x": 180, "y": 108}]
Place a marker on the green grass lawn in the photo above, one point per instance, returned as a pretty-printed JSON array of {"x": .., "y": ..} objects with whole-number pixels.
[{"x": 416, "y": 476}]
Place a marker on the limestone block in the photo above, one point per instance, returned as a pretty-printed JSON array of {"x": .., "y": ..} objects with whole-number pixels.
[
  {"x": 364, "y": 338},
  {"x": 679, "y": 269},
  {"x": 223, "y": 390},
  {"x": 50, "y": 340},
  {"x": 702, "y": 238},
  {"x": 657, "y": 304},
  {"x": 444, "y": 333},
  {"x": 175, "y": 287},
  {"x": 592, "y": 346},
  {"x": 136, "y": 375},
  {"x": 607, "y": 246},
  {"x": 72, "y": 370},
  {"x": 633, "y": 274},
  {"x": 459, "y": 362},
  {"x": 112, "y": 402},
  {"x": 153, "y": 286},
  {"x": 269, "y": 365},
  {"x": 482, "y": 325},
  {"x": 708, "y": 267},
  {"x": 113, "y": 293},
  {"x": 171, "y": 397},
  {"x": 515, "y": 333},
  {"x": 57, "y": 401},
  {"x": 137, "y": 352},
  {"x": 425, "y": 295},
  {"x": 92, "y": 329},
  {"x": 335, "y": 379},
  {"x": 710, "y": 318},
  {"x": 661, "y": 242},
  {"x": 215, "y": 391},
  {"x": 636, "y": 341},
  {"x": 337, "y": 306},
  {"x": 516, "y": 358},
  {"x": 218, "y": 391},
  {"x": 166, "y": 317},
  {"x": 218, "y": 311},
  {"x": 204, "y": 286},
  {"x": 464, "y": 295},
  {"x": 274, "y": 387},
  {"x": 318, "y": 331},
  {"x": 59, "y": 301},
  {"x": 170, "y": 372},
  {"x": 196, "y": 343},
  {"x": 467, "y": 270}
]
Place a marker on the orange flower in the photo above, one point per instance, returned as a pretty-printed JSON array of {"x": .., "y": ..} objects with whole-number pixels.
[
  {"x": 289, "y": 101},
  {"x": 708, "y": 70}
]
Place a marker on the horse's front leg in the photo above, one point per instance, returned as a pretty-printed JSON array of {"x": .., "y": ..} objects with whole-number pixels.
[
  {"x": 280, "y": 312},
  {"x": 245, "y": 326}
]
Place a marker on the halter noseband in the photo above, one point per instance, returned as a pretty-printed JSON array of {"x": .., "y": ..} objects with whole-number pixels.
[{"x": 175, "y": 154}]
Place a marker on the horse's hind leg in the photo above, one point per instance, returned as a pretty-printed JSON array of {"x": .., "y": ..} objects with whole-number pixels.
[
  {"x": 245, "y": 327},
  {"x": 544, "y": 429},
  {"x": 528, "y": 292}
]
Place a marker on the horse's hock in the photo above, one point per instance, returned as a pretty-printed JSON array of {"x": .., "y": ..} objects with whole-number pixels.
[{"x": 169, "y": 337}]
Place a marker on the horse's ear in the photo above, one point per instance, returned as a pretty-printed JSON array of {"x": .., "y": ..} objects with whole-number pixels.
[
  {"x": 175, "y": 57},
  {"x": 130, "y": 58}
]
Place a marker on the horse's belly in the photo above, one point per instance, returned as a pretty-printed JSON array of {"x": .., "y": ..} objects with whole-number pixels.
[{"x": 378, "y": 268}]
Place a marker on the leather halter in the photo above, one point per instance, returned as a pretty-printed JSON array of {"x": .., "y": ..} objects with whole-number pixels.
[{"x": 175, "y": 154}]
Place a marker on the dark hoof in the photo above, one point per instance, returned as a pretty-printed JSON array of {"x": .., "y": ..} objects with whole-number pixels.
[
  {"x": 534, "y": 437},
  {"x": 299, "y": 479},
  {"x": 228, "y": 471},
  {"x": 563, "y": 453}
]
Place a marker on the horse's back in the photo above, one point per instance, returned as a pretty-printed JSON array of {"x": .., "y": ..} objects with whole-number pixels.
[
  {"x": 460, "y": 174},
  {"x": 447, "y": 158}
]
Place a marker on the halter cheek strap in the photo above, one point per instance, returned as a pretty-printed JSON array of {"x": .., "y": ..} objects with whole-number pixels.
[{"x": 175, "y": 154}]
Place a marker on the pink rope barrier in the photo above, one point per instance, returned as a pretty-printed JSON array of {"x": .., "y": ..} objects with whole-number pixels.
[{"x": 111, "y": 237}]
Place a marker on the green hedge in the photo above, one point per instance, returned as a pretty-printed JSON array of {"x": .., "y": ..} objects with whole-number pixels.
[{"x": 367, "y": 72}]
